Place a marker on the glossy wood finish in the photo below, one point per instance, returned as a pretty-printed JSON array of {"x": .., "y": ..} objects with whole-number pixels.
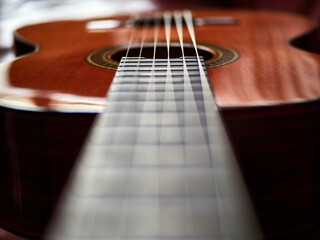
[
  {"x": 278, "y": 151},
  {"x": 37, "y": 151},
  {"x": 267, "y": 139},
  {"x": 270, "y": 70}
]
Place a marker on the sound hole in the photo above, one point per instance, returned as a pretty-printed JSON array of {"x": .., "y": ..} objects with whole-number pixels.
[
  {"x": 214, "y": 55},
  {"x": 162, "y": 52}
]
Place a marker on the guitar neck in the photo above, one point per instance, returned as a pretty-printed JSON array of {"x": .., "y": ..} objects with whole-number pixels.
[{"x": 158, "y": 163}]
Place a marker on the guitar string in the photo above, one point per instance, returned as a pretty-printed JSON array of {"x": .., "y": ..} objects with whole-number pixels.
[
  {"x": 134, "y": 19},
  {"x": 130, "y": 173},
  {"x": 186, "y": 88},
  {"x": 166, "y": 16},
  {"x": 150, "y": 94},
  {"x": 87, "y": 218},
  {"x": 157, "y": 17},
  {"x": 187, "y": 82},
  {"x": 121, "y": 224},
  {"x": 169, "y": 86},
  {"x": 169, "y": 93},
  {"x": 143, "y": 36},
  {"x": 167, "y": 24},
  {"x": 207, "y": 99},
  {"x": 89, "y": 213},
  {"x": 168, "y": 89}
]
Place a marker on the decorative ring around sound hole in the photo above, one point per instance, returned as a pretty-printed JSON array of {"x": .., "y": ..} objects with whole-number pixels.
[{"x": 214, "y": 55}]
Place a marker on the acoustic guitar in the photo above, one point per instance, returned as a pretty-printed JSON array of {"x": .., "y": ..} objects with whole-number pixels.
[{"x": 158, "y": 161}]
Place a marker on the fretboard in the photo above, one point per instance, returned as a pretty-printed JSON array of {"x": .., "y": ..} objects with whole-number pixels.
[{"x": 158, "y": 163}]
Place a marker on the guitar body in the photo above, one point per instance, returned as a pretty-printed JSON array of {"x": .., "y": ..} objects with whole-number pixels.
[
  {"x": 264, "y": 76},
  {"x": 268, "y": 93}
]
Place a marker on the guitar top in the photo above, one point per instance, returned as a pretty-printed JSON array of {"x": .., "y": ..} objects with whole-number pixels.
[{"x": 250, "y": 62}]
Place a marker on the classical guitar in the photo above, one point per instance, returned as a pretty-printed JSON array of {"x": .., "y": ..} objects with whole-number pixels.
[{"x": 157, "y": 162}]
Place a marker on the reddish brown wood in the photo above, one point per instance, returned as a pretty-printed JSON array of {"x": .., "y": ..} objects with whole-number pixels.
[
  {"x": 270, "y": 71},
  {"x": 278, "y": 151},
  {"x": 277, "y": 146},
  {"x": 37, "y": 151}
]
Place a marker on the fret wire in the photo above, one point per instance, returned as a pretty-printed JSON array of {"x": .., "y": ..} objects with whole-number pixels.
[
  {"x": 173, "y": 65},
  {"x": 180, "y": 146},
  {"x": 158, "y": 70},
  {"x": 156, "y": 97},
  {"x": 172, "y": 128},
  {"x": 160, "y": 99},
  {"x": 151, "y": 107},
  {"x": 159, "y": 92},
  {"x": 157, "y": 81},
  {"x": 156, "y": 87},
  {"x": 121, "y": 162},
  {"x": 176, "y": 126},
  {"x": 159, "y": 74},
  {"x": 123, "y": 82},
  {"x": 165, "y": 64},
  {"x": 174, "y": 79},
  {"x": 129, "y": 60},
  {"x": 155, "y": 90}
]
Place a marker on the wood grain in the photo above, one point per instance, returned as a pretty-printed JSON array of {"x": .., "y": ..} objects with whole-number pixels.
[{"x": 269, "y": 71}]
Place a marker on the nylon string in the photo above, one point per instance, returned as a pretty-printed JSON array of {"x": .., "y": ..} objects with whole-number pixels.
[
  {"x": 207, "y": 98},
  {"x": 130, "y": 173},
  {"x": 124, "y": 199},
  {"x": 191, "y": 104}
]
